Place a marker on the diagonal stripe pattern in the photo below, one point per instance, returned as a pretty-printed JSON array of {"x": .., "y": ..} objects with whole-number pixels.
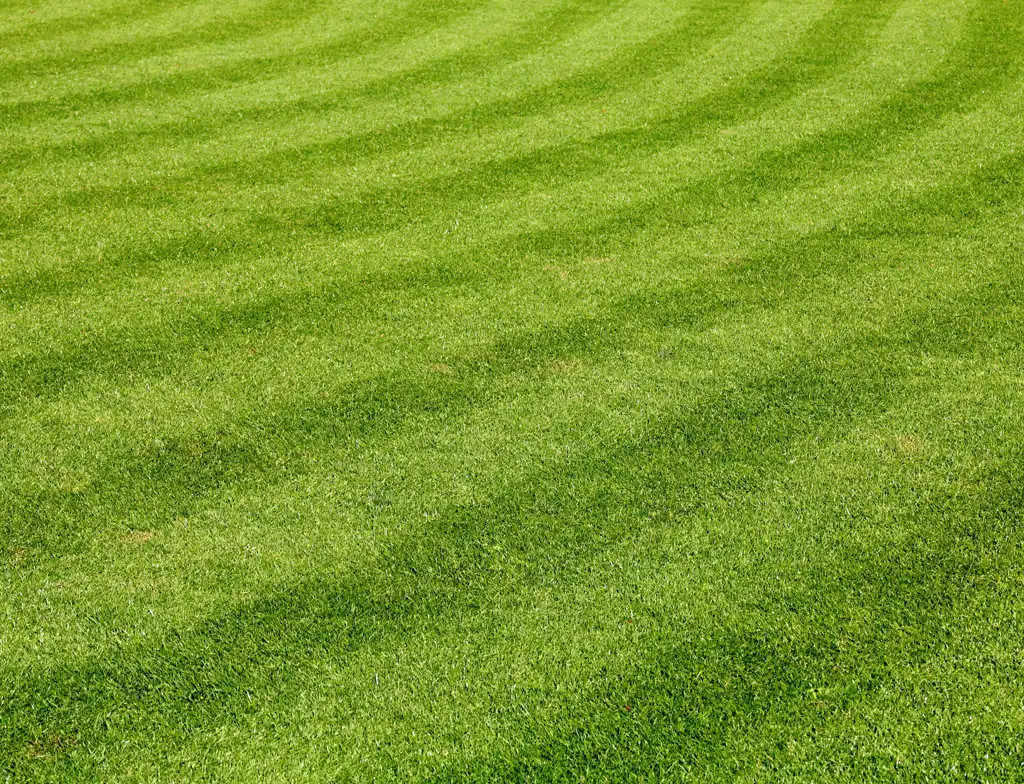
[{"x": 562, "y": 390}]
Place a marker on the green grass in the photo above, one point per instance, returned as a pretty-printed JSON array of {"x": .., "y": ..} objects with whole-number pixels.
[{"x": 559, "y": 390}]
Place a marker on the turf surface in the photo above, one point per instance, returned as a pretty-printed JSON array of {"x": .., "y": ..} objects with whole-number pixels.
[{"x": 550, "y": 390}]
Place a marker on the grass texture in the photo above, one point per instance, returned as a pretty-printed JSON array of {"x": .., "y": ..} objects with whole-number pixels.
[{"x": 559, "y": 390}]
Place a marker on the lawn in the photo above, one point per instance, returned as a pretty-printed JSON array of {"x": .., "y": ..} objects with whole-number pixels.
[{"x": 511, "y": 390}]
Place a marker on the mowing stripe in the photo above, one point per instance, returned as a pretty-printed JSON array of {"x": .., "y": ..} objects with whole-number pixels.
[{"x": 560, "y": 390}]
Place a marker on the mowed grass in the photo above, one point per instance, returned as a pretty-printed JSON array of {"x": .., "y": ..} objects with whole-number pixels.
[{"x": 562, "y": 390}]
